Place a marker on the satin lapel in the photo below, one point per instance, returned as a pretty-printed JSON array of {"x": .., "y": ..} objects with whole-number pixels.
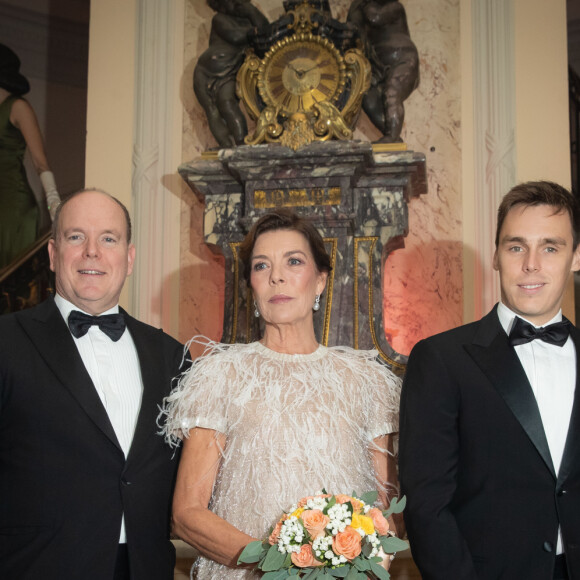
[
  {"x": 148, "y": 342},
  {"x": 571, "y": 457},
  {"x": 499, "y": 361},
  {"x": 48, "y": 332}
]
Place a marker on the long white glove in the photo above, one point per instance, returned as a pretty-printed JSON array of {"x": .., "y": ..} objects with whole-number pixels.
[{"x": 52, "y": 197}]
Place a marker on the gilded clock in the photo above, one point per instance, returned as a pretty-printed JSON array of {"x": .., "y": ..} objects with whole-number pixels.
[{"x": 300, "y": 71}]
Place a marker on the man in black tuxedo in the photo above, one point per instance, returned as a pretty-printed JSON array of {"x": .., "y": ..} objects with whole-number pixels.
[
  {"x": 85, "y": 480},
  {"x": 490, "y": 414}
]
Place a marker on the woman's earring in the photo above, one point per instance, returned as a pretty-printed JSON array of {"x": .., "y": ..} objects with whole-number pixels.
[
  {"x": 316, "y": 306},
  {"x": 256, "y": 311}
]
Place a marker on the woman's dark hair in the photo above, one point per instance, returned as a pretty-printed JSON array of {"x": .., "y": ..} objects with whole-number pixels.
[{"x": 284, "y": 219}]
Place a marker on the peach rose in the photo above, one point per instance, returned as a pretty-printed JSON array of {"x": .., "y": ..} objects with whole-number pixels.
[
  {"x": 273, "y": 539},
  {"x": 315, "y": 522},
  {"x": 305, "y": 557},
  {"x": 304, "y": 501},
  {"x": 347, "y": 543},
  {"x": 342, "y": 498},
  {"x": 379, "y": 521}
]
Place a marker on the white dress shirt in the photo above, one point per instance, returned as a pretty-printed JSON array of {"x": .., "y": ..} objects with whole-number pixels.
[
  {"x": 115, "y": 371},
  {"x": 551, "y": 371}
]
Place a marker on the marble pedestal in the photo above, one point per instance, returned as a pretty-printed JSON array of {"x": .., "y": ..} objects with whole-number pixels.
[{"x": 357, "y": 198}]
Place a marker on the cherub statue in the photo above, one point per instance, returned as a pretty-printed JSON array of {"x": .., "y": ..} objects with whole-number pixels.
[
  {"x": 394, "y": 61},
  {"x": 214, "y": 76}
]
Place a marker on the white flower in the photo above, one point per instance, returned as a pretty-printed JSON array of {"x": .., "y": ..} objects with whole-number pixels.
[{"x": 317, "y": 503}]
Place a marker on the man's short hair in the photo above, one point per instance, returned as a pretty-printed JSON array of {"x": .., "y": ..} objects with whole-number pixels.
[
  {"x": 75, "y": 194},
  {"x": 532, "y": 193}
]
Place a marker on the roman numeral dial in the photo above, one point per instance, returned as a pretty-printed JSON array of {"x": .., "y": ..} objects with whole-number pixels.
[{"x": 300, "y": 71}]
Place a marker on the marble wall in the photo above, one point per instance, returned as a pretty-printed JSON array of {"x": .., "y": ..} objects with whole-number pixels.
[{"x": 423, "y": 281}]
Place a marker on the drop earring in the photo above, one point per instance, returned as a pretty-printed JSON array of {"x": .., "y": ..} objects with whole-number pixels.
[
  {"x": 316, "y": 306},
  {"x": 256, "y": 311}
]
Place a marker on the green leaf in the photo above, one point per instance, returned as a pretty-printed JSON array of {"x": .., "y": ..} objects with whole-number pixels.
[
  {"x": 369, "y": 497},
  {"x": 361, "y": 564},
  {"x": 252, "y": 553},
  {"x": 277, "y": 575},
  {"x": 396, "y": 506},
  {"x": 354, "y": 574},
  {"x": 311, "y": 574},
  {"x": 340, "y": 572},
  {"x": 367, "y": 548},
  {"x": 380, "y": 572},
  {"x": 331, "y": 502},
  {"x": 274, "y": 560},
  {"x": 392, "y": 544}
]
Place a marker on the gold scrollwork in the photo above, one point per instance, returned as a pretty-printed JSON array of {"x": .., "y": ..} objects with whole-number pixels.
[
  {"x": 247, "y": 82},
  {"x": 329, "y": 289},
  {"x": 358, "y": 70},
  {"x": 234, "y": 248},
  {"x": 267, "y": 127},
  {"x": 382, "y": 353}
]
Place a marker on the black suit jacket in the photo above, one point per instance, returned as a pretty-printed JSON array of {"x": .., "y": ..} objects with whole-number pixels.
[
  {"x": 64, "y": 480},
  {"x": 483, "y": 498}
]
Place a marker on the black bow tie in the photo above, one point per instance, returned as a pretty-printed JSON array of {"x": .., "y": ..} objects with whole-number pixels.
[
  {"x": 113, "y": 325},
  {"x": 523, "y": 332}
]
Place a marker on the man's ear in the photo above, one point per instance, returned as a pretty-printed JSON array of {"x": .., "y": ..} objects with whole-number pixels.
[
  {"x": 130, "y": 259},
  {"x": 495, "y": 261},
  {"x": 576, "y": 259},
  {"x": 51, "y": 253}
]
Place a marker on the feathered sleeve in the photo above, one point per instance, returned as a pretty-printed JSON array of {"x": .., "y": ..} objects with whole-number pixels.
[
  {"x": 382, "y": 390},
  {"x": 375, "y": 389},
  {"x": 198, "y": 399}
]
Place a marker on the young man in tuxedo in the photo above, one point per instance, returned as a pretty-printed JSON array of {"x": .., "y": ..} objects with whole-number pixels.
[
  {"x": 85, "y": 480},
  {"x": 490, "y": 414}
]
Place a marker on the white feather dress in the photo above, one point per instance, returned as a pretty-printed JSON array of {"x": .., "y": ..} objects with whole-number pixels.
[{"x": 294, "y": 424}]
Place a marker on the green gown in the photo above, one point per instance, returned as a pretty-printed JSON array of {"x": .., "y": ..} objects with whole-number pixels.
[{"x": 19, "y": 212}]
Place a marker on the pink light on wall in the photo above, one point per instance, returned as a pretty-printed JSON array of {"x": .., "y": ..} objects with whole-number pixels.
[{"x": 422, "y": 288}]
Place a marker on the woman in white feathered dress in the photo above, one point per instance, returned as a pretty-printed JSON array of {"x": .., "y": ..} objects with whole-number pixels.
[{"x": 266, "y": 423}]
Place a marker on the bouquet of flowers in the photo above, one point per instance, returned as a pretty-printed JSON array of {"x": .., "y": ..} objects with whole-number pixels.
[{"x": 328, "y": 536}]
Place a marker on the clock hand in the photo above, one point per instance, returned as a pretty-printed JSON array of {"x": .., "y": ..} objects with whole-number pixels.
[{"x": 309, "y": 69}]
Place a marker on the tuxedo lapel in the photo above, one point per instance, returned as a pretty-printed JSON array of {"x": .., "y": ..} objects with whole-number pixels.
[
  {"x": 571, "y": 457},
  {"x": 498, "y": 360},
  {"x": 50, "y": 335},
  {"x": 148, "y": 342}
]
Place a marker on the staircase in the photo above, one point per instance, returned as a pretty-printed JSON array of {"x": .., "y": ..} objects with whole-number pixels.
[{"x": 27, "y": 281}]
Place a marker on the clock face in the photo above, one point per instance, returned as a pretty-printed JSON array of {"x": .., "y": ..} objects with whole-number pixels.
[{"x": 298, "y": 73}]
